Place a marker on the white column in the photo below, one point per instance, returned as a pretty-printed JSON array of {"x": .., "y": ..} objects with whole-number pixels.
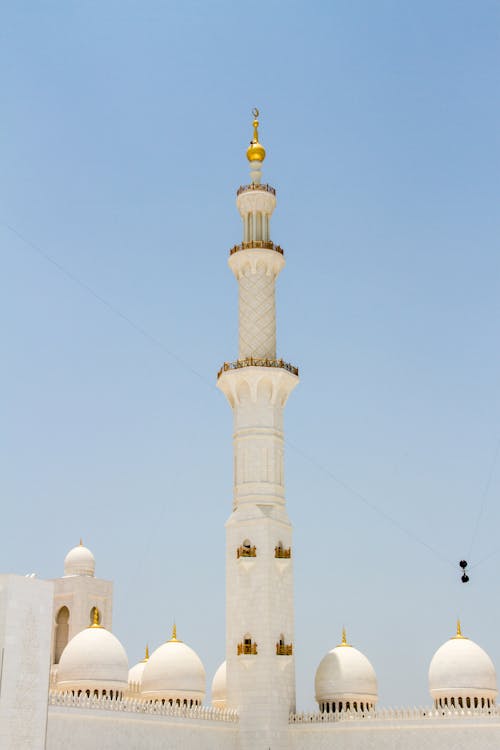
[{"x": 259, "y": 588}]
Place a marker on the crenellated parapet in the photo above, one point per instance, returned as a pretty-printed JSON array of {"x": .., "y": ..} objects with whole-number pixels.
[
  {"x": 387, "y": 715},
  {"x": 137, "y": 706}
]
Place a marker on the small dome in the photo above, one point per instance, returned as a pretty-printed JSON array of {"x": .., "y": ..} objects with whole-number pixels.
[
  {"x": 219, "y": 687},
  {"x": 461, "y": 674},
  {"x": 93, "y": 660},
  {"x": 174, "y": 673},
  {"x": 135, "y": 674},
  {"x": 345, "y": 679},
  {"x": 79, "y": 562}
]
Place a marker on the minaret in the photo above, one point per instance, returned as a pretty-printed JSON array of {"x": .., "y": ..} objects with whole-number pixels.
[{"x": 259, "y": 575}]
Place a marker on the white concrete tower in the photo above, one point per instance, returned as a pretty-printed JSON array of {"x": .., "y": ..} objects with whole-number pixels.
[{"x": 259, "y": 576}]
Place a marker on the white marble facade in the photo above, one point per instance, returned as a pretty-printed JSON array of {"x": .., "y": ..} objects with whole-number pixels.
[{"x": 64, "y": 677}]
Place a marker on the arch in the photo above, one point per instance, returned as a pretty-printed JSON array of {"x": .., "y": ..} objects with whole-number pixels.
[
  {"x": 92, "y": 614},
  {"x": 62, "y": 633}
]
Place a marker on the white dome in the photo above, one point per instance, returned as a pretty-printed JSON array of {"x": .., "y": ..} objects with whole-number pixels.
[
  {"x": 219, "y": 687},
  {"x": 345, "y": 676},
  {"x": 79, "y": 562},
  {"x": 93, "y": 660},
  {"x": 174, "y": 673},
  {"x": 460, "y": 669},
  {"x": 135, "y": 674}
]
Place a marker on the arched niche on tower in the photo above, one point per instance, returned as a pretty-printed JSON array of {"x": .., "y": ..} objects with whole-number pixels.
[{"x": 62, "y": 632}]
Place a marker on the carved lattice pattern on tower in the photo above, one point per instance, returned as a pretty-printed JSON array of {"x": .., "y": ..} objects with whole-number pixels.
[{"x": 257, "y": 315}]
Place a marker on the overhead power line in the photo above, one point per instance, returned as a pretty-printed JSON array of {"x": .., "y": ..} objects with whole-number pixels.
[{"x": 186, "y": 365}]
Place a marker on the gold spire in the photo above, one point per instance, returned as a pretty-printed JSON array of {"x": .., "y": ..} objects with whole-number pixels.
[
  {"x": 146, "y": 655},
  {"x": 95, "y": 619},
  {"x": 459, "y": 630},
  {"x": 81, "y": 543},
  {"x": 344, "y": 639},
  {"x": 256, "y": 151},
  {"x": 174, "y": 638}
]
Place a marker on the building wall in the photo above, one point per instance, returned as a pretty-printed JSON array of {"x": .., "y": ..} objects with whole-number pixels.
[
  {"x": 90, "y": 729},
  {"x": 25, "y": 636},
  {"x": 445, "y": 733}
]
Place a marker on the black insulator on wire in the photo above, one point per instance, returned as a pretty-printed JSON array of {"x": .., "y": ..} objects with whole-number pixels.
[{"x": 464, "y": 578}]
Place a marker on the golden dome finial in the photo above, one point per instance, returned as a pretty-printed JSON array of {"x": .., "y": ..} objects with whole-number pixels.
[
  {"x": 344, "y": 638},
  {"x": 146, "y": 655},
  {"x": 459, "y": 630},
  {"x": 81, "y": 543},
  {"x": 255, "y": 151},
  {"x": 174, "y": 638}
]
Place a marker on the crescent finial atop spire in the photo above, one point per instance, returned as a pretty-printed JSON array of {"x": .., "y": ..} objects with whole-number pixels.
[{"x": 256, "y": 151}]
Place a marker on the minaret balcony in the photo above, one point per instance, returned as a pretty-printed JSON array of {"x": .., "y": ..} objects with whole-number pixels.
[
  {"x": 254, "y": 186},
  {"x": 258, "y": 362},
  {"x": 256, "y": 245},
  {"x": 282, "y": 553},
  {"x": 247, "y": 648},
  {"x": 246, "y": 551}
]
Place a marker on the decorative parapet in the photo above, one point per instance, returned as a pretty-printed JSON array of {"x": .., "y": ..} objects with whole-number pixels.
[
  {"x": 257, "y": 362},
  {"x": 281, "y": 553},
  {"x": 247, "y": 649},
  {"x": 245, "y": 551},
  {"x": 266, "y": 188},
  {"x": 256, "y": 245},
  {"x": 395, "y": 714},
  {"x": 137, "y": 706},
  {"x": 284, "y": 649}
]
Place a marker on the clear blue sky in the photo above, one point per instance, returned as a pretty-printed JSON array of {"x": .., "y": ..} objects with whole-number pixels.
[{"x": 123, "y": 132}]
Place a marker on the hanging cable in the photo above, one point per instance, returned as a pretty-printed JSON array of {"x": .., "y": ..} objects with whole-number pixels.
[
  {"x": 159, "y": 344},
  {"x": 484, "y": 496}
]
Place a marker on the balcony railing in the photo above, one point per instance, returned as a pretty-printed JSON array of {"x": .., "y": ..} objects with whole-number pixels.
[
  {"x": 282, "y": 553},
  {"x": 246, "y": 551},
  {"x": 256, "y": 244},
  {"x": 247, "y": 649},
  {"x": 253, "y": 186},
  {"x": 284, "y": 649},
  {"x": 257, "y": 362}
]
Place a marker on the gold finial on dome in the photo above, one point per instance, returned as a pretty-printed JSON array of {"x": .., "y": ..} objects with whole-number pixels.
[
  {"x": 146, "y": 655},
  {"x": 344, "y": 638},
  {"x": 459, "y": 630},
  {"x": 256, "y": 151},
  {"x": 81, "y": 543},
  {"x": 174, "y": 638}
]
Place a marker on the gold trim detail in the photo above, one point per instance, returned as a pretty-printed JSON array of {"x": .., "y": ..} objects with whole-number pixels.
[
  {"x": 281, "y": 553},
  {"x": 247, "y": 649},
  {"x": 257, "y": 362},
  {"x": 243, "y": 551},
  {"x": 256, "y": 245},
  {"x": 254, "y": 186}
]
